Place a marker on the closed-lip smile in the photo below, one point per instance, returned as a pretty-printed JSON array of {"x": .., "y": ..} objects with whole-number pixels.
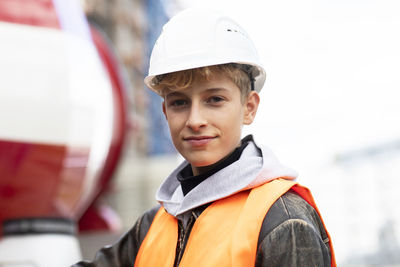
[
  {"x": 199, "y": 140},
  {"x": 196, "y": 137}
]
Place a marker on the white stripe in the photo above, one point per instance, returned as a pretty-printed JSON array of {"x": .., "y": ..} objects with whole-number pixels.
[
  {"x": 53, "y": 88},
  {"x": 53, "y": 250}
]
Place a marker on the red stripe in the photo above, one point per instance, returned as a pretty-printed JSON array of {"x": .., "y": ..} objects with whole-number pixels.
[
  {"x": 39, "y": 180},
  {"x": 31, "y": 12}
]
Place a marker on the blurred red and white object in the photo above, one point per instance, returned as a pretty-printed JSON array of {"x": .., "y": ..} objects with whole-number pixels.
[{"x": 62, "y": 128}]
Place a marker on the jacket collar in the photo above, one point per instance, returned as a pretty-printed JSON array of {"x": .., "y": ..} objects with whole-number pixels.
[{"x": 251, "y": 170}]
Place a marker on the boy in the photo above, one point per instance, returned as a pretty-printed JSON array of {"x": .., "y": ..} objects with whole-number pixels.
[{"x": 230, "y": 203}]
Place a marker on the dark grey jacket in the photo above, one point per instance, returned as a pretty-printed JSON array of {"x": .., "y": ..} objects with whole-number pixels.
[{"x": 292, "y": 234}]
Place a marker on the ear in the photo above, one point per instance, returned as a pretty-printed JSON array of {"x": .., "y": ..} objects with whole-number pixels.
[
  {"x": 250, "y": 107},
  {"x": 164, "y": 110}
]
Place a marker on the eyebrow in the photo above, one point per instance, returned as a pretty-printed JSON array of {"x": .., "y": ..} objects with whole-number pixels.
[
  {"x": 217, "y": 89},
  {"x": 208, "y": 90},
  {"x": 172, "y": 94}
]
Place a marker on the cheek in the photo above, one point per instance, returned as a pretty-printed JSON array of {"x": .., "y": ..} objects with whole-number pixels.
[
  {"x": 233, "y": 123},
  {"x": 232, "y": 118},
  {"x": 175, "y": 125},
  {"x": 173, "y": 129}
]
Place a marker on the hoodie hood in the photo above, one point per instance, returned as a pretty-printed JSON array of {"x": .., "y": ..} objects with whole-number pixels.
[{"x": 249, "y": 171}]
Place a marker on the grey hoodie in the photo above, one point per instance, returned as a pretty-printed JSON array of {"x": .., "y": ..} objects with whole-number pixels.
[{"x": 249, "y": 171}]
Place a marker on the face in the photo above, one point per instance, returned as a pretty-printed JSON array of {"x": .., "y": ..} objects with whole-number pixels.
[{"x": 206, "y": 120}]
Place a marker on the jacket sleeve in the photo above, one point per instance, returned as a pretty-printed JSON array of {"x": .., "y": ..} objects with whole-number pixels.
[
  {"x": 292, "y": 234},
  {"x": 123, "y": 252}
]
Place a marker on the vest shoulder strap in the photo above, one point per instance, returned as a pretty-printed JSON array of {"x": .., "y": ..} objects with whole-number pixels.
[{"x": 159, "y": 246}]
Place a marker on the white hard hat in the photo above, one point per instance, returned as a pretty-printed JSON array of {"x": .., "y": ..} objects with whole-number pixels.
[{"x": 198, "y": 38}]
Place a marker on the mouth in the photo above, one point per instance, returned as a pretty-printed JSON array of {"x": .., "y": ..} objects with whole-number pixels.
[{"x": 199, "y": 140}]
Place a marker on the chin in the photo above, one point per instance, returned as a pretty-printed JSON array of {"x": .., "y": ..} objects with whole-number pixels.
[
  {"x": 205, "y": 159},
  {"x": 198, "y": 163},
  {"x": 202, "y": 163}
]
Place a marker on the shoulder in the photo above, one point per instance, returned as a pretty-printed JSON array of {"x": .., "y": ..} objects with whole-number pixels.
[
  {"x": 292, "y": 231},
  {"x": 291, "y": 207}
]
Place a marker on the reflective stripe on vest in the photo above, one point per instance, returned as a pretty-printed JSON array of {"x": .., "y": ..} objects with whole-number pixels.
[{"x": 225, "y": 234}]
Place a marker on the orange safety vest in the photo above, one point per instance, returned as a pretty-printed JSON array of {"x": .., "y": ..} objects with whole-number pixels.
[{"x": 225, "y": 234}]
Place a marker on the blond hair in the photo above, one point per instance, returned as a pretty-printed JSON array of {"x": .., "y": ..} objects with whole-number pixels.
[{"x": 181, "y": 80}]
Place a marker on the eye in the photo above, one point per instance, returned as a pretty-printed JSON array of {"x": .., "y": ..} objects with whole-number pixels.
[
  {"x": 215, "y": 100},
  {"x": 178, "y": 103}
]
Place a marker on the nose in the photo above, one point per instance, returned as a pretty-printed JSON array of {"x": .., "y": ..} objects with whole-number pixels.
[{"x": 196, "y": 119}]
